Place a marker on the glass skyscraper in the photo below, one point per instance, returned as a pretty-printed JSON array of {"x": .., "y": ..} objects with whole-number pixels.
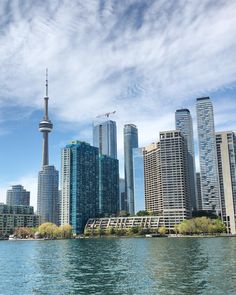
[
  {"x": 130, "y": 142},
  {"x": 183, "y": 123},
  {"x": 207, "y": 154},
  {"x": 105, "y": 138},
  {"x": 79, "y": 184},
  {"x": 138, "y": 169},
  {"x": 108, "y": 186},
  {"x": 17, "y": 195}
]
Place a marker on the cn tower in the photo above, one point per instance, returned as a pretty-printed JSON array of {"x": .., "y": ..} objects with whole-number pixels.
[{"x": 45, "y": 126}]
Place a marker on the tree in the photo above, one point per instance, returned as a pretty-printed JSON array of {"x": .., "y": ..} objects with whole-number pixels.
[
  {"x": 142, "y": 213},
  {"x": 123, "y": 213},
  {"x": 162, "y": 230},
  {"x": 65, "y": 231},
  {"x": 48, "y": 230}
]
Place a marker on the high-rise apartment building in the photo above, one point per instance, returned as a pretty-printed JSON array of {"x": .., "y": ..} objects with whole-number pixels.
[
  {"x": 226, "y": 156},
  {"x": 199, "y": 193},
  {"x": 48, "y": 195},
  {"x": 183, "y": 123},
  {"x": 17, "y": 195},
  {"x": 130, "y": 142},
  {"x": 79, "y": 184},
  {"x": 166, "y": 178},
  {"x": 138, "y": 170},
  {"x": 207, "y": 155},
  {"x": 105, "y": 138},
  {"x": 108, "y": 186}
]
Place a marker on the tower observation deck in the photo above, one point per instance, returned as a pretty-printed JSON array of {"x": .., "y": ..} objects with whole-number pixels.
[{"x": 45, "y": 126}]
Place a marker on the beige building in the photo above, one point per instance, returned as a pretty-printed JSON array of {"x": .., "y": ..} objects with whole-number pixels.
[
  {"x": 226, "y": 156},
  {"x": 166, "y": 179}
]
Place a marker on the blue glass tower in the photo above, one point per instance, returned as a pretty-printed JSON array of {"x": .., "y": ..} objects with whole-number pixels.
[
  {"x": 138, "y": 168},
  {"x": 80, "y": 184}
]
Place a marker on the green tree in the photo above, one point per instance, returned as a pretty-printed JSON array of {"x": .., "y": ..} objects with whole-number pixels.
[
  {"x": 162, "y": 230},
  {"x": 123, "y": 213},
  {"x": 65, "y": 231},
  {"x": 48, "y": 230},
  {"x": 142, "y": 213}
]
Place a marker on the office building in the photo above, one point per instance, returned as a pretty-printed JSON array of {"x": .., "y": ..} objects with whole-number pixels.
[
  {"x": 12, "y": 217},
  {"x": 105, "y": 138},
  {"x": 130, "y": 142},
  {"x": 79, "y": 184},
  {"x": 207, "y": 155},
  {"x": 108, "y": 186},
  {"x": 183, "y": 123},
  {"x": 17, "y": 195},
  {"x": 48, "y": 194},
  {"x": 226, "y": 156},
  {"x": 166, "y": 178},
  {"x": 138, "y": 170}
]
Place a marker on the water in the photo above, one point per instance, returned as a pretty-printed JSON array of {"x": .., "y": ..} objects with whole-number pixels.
[{"x": 119, "y": 266}]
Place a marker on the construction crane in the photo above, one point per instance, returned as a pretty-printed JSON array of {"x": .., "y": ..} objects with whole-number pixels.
[{"x": 106, "y": 114}]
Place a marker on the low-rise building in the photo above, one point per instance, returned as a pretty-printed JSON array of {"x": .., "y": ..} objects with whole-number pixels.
[{"x": 12, "y": 217}]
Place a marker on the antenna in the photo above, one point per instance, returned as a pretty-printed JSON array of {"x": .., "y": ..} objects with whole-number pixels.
[{"x": 46, "y": 82}]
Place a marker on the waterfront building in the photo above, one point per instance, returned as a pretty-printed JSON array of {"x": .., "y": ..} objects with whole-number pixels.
[
  {"x": 105, "y": 138},
  {"x": 226, "y": 156},
  {"x": 199, "y": 194},
  {"x": 145, "y": 222},
  {"x": 207, "y": 155},
  {"x": 79, "y": 184},
  {"x": 166, "y": 178},
  {"x": 108, "y": 186},
  {"x": 122, "y": 196},
  {"x": 12, "y": 217},
  {"x": 48, "y": 194},
  {"x": 17, "y": 195},
  {"x": 183, "y": 123},
  {"x": 130, "y": 142},
  {"x": 138, "y": 170}
]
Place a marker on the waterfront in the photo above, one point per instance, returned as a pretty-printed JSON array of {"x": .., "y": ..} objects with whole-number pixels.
[{"x": 119, "y": 266}]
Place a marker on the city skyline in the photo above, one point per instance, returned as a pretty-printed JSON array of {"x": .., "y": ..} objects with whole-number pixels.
[{"x": 127, "y": 71}]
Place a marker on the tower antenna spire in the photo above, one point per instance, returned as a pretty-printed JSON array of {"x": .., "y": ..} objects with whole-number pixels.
[{"x": 46, "y": 82}]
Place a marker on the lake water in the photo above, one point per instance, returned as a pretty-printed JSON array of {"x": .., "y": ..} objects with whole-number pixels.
[{"x": 119, "y": 266}]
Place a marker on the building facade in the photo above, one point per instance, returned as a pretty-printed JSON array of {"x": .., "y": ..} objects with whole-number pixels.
[
  {"x": 166, "y": 179},
  {"x": 122, "y": 196},
  {"x": 207, "y": 155},
  {"x": 226, "y": 156},
  {"x": 79, "y": 185},
  {"x": 130, "y": 142},
  {"x": 108, "y": 186},
  {"x": 48, "y": 180},
  {"x": 199, "y": 193},
  {"x": 17, "y": 195},
  {"x": 105, "y": 138},
  {"x": 12, "y": 217},
  {"x": 183, "y": 123},
  {"x": 138, "y": 170}
]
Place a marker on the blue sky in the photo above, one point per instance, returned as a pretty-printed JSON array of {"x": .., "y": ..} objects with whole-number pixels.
[{"x": 143, "y": 59}]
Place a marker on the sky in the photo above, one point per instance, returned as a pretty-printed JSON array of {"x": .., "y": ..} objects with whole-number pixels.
[{"x": 143, "y": 59}]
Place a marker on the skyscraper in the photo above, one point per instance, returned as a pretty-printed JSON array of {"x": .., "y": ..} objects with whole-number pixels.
[
  {"x": 105, "y": 138},
  {"x": 138, "y": 170},
  {"x": 226, "y": 156},
  {"x": 79, "y": 184},
  {"x": 183, "y": 123},
  {"x": 108, "y": 186},
  {"x": 166, "y": 178},
  {"x": 199, "y": 193},
  {"x": 122, "y": 196},
  {"x": 48, "y": 195},
  {"x": 207, "y": 154},
  {"x": 130, "y": 142},
  {"x": 17, "y": 195}
]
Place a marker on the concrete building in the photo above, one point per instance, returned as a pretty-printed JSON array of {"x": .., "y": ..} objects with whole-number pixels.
[
  {"x": 130, "y": 142},
  {"x": 12, "y": 217},
  {"x": 17, "y": 195},
  {"x": 138, "y": 171},
  {"x": 166, "y": 179},
  {"x": 226, "y": 156},
  {"x": 183, "y": 123},
  {"x": 48, "y": 194},
  {"x": 105, "y": 138},
  {"x": 207, "y": 154},
  {"x": 79, "y": 184},
  {"x": 199, "y": 194},
  {"x": 108, "y": 186}
]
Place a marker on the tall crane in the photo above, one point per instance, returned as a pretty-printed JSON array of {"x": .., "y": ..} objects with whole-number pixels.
[{"x": 106, "y": 114}]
